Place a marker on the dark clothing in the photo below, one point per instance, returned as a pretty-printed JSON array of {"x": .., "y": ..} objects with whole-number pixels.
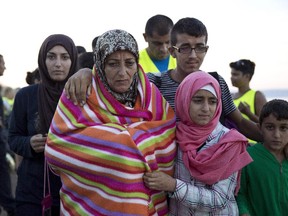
[
  {"x": 29, "y": 189},
  {"x": 6, "y": 198},
  {"x": 30, "y": 209}
]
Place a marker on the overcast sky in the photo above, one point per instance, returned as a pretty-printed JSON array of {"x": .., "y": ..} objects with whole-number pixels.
[{"x": 251, "y": 29}]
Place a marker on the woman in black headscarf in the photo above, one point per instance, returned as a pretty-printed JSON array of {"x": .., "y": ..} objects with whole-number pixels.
[{"x": 32, "y": 113}]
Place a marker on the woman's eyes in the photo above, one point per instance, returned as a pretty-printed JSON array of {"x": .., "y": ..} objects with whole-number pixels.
[
  {"x": 117, "y": 64},
  {"x": 52, "y": 57}
]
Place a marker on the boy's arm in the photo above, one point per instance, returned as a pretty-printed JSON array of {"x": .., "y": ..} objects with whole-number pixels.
[
  {"x": 247, "y": 127},
  {"x": 260, "y": 100},
  {"x": 241, "y": 197},
  {"x": 78, "y": 86}
]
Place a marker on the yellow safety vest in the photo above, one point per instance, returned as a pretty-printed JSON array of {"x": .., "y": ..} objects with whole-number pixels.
[
  {"x": 148, "y": 65},
  {"x": 249, "y": 98}
]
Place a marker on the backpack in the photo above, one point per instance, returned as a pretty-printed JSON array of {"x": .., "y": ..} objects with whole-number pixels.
[{"x": 224, "y": 121}]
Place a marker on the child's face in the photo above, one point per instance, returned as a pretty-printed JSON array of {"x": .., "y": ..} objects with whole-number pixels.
[
  {"x": 202, "y": 107},
  {"x": 275, "y": 133}
]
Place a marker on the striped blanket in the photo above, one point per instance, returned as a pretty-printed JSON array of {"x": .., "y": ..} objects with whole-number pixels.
[{"x": 102, "y": 150}]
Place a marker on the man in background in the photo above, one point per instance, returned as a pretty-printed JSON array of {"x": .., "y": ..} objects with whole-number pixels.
[
  {"x": 80, "y": 50},
  {"x": 6, "y": 198},
  {"x": 248, "y": 101},
  {"x": 156, "y": 57}
]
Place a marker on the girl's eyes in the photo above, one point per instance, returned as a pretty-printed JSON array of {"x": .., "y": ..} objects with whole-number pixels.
[{"x": 202, "y": 100}]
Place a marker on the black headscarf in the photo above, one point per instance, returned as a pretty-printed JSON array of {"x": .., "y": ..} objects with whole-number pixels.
[{"x": 49, "y": 90}]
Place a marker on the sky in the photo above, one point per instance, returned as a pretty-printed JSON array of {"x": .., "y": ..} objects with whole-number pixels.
[{"x": 237, "y": 29}]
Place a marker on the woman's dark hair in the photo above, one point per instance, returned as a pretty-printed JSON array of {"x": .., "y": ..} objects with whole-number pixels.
[{"x": 33, "y": 76}]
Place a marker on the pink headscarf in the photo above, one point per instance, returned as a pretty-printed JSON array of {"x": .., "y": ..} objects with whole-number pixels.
[
  {"x": 220, "y": 160},
  {"x": 187, "y": 130}
]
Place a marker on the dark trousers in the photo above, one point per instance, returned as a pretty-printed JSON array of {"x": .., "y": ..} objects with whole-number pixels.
[
  {"x": 7, "y": 200},
  {"x": 30, "y": 209}
]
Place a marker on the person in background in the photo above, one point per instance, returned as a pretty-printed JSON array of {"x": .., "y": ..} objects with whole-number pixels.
[
  {"x": 127, "y": 128},
  {"x": 209, "y": 157},
  {"x": 188, "y": 40},
  {"x": 33, "y": 77},
  {"x": 80, "y": 50},
  {"x": 8, "y": 94},
  {"x": 156, "y": 57},
  {"x": 86, "y": 60},
  {"x": 248, "y": 101},
  {"x": 264, "y": 182},
  {"x": 33, "y": 110},
  {"x": 7, "y": 200}
]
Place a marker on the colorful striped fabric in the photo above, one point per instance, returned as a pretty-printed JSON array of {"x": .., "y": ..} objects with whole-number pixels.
[{"x": 102, "y": 150}]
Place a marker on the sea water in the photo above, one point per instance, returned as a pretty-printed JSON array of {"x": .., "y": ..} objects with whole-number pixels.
[{"x": 276, "y": 94}]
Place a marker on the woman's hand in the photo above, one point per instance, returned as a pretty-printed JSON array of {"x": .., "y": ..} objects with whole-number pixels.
[
  {"x": 37, "y": 142},
  {"x": 158, "y": 180},
  {"x": 78, "y": 86}
]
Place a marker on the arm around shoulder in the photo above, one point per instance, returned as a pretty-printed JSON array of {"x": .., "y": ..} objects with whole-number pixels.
[{"x": 78, "y": 86}]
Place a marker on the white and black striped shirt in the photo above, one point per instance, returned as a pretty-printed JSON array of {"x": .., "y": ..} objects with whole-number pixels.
[{"x": 168, "y": 87}]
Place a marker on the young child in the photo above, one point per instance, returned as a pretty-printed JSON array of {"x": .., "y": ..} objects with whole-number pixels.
[
  {"x": 264, "y": 182},
  {"x": 210, "y": 156}
]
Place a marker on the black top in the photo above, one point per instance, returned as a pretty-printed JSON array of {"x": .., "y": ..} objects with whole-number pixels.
[{"x": 31, "y": 170}]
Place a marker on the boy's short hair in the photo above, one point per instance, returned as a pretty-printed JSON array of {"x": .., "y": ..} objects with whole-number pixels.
[
  {"x": 86, "y": 60},
  {"x": 80, "y": 49},
  {"x": 277, "y": 107},
  {"x": 160, "y": 24},
  {"x": 190, "y": 26},
  {"x": 31, "y": 77},
  {"x": 245, "y": 66}
]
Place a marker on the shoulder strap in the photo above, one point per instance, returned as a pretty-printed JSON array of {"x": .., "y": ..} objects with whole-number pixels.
[
  {"x": 222, "y": 117},
  {"x": 158, "y": 79},
  {"x": 215, "y": 75}
]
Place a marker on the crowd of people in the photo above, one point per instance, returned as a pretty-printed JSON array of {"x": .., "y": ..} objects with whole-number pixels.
[{"x": 123, "y": 131}]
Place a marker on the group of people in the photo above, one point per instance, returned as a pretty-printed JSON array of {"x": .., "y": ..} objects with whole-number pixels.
[
  {"x": 123, "y": 139},
  {"x": 6, "y": 196}
]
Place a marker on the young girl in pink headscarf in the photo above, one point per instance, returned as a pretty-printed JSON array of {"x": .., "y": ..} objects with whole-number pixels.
[{"x": 209, "y": 157}]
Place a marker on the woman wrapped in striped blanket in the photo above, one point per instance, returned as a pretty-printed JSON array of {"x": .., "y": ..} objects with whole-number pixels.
[{"x": 102, "y": 150}]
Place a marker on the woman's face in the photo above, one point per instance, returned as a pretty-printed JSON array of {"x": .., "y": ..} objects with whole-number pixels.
[
  {"x": 2, "y": 66},
  {"x": 202, "y": 107},
  {"x": 120, "y": 68},
  {"x": 58, "y": 63}
]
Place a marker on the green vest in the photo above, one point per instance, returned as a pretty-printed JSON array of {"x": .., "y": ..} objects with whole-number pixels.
[
  {"x": 148, "y": 65},
  {"x": 249, "y": 98}
]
